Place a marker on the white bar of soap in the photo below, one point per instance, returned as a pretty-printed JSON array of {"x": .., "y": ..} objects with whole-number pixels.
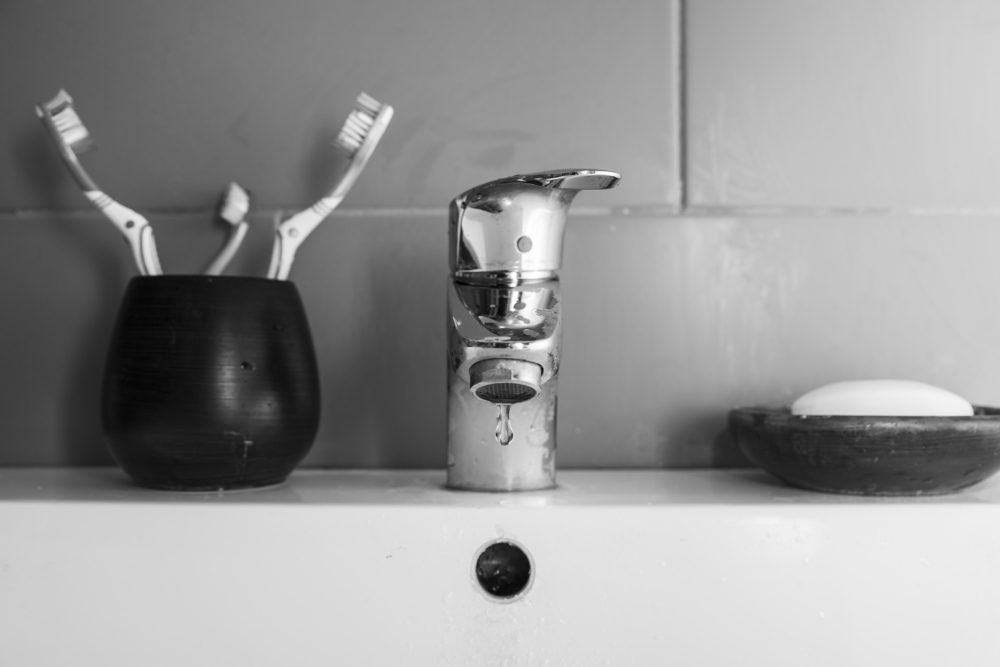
[{"x": 892, "y": 398}]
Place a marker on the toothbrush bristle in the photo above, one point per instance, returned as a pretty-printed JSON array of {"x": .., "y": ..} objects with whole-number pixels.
[
  {"x": 359, "y": 124},
  {"x": 235, "y": 204},
  {"x": 67, "y": 122}
]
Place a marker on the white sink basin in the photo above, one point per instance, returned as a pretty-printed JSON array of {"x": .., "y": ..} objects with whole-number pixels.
[{"x": 377, "y": 568}]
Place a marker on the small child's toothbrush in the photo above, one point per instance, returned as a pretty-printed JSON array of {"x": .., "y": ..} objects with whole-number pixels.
[
  {"x": 358, "y": 137},
  {"x": 71, "y": 137},
  {"x": 233, "y": 209}
]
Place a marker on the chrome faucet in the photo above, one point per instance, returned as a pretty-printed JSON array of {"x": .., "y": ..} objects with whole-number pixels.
[{"x": 505, "y": 329}]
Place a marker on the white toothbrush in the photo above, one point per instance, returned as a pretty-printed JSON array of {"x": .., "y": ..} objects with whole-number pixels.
[
  {"x": 358, "y": 137},
  {"x": 71, "y": 137},
  {"x": 233, "y": 209}
]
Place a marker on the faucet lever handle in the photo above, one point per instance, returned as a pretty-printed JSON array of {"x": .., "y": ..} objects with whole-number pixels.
[
  {"x": 512, "y": 228},
  {"x": 572, "y": 179}
]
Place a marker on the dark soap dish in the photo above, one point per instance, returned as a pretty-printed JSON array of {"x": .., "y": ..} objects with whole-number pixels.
[{"x": 872, "y": 456}]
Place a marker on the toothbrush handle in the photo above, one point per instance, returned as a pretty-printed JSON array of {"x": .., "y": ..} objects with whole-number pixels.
[
  {"x": 290, "y": 234},
  {"x": 221, "y": 261},
  {"x": 134, "y": 227},
  {"x": 150, "y": 255},
  {"x": 276, "y": 250}
]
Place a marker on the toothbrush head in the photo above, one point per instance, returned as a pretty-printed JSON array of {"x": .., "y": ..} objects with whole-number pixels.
[
  {"x": 65, "y": 122},
  {"x": 234, "y": 205},
  {"x": 363, "y": 128}
]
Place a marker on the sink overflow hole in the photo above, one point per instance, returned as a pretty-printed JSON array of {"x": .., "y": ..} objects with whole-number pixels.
[{"x": 503, "y": 570}]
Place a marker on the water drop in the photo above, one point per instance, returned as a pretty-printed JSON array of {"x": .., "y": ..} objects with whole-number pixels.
[{"x": 504, "y": 433}]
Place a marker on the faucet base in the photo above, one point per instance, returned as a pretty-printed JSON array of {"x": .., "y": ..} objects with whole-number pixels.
[{"x": 478, "y": 462}]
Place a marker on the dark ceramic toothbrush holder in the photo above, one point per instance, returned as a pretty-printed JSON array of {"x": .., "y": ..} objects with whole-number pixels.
[{"x": 210, "y": 382}]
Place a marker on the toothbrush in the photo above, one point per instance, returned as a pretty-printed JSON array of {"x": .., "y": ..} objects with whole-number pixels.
[
  {"x": 358, "y": 137},
  {"x": 71, "y": 136},
  {"x": 233, "y": 209}
]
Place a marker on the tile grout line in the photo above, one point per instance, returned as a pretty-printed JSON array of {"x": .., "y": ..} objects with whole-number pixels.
[
  {"x": 638, "y": 211},
  {"x": 680, "y": 105}
]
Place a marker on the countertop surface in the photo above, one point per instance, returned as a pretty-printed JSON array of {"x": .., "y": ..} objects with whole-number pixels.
[{"x": 613, "y": 488}]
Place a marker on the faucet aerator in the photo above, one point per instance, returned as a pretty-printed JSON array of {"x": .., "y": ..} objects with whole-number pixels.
[
  {"x": 505, "y": 393},
  {"x": 505, "y": 381}
]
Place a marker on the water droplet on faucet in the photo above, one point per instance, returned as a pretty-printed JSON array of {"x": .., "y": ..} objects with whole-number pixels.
[{"x": 504, "y": 433}]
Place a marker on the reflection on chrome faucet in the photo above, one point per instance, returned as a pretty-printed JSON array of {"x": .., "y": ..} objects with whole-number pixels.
[{"x": 504, "y": 328}]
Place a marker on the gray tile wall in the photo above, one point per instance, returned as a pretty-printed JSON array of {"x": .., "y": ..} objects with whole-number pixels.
[{"x": 808, "y": 196}]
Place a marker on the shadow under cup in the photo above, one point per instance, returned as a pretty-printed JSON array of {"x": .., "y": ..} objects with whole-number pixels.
[{"x": 210, "y": 382}]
